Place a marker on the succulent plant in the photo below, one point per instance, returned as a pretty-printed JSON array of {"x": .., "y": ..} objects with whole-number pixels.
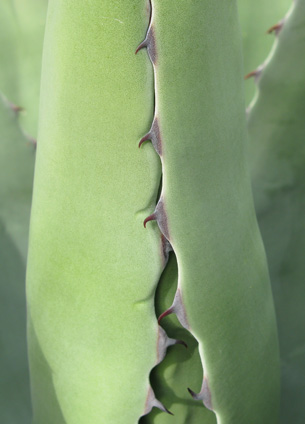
[
  {"x": 277, "y": 159},
  {"x": 93, "y": 269},
  {"x": 256, "y": 17},
  {"x": 21, "y": 29},
  {"x": 129, "y": 324}
]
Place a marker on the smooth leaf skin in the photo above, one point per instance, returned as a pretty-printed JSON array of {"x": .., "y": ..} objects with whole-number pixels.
[
  {"x": 256, "y": 17},
  {"x": 93, "y": 268},
  {"x": 209, "y": 209},
  {"x": 181, "y": 368},
  {"x": 22, "y": 24},
  {"x": 16, "y": 175},
  {"x": 277, "y": 158}
]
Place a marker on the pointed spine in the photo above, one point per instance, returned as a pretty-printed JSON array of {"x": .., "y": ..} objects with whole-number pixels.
[
  {"x": 154, "y": 136},
  {"x": 204, "y": 395},
  {"x": 160, "y": 216},
  {"x": 178, "y": 309},
  {"x": 153, "y": 402}
]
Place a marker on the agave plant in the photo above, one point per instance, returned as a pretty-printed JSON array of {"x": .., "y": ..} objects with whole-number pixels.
[
  {"x": 277, "y": 160},
  {"x": 133, "y": 323},
  {"x": 93, "y": 269},
  {"x": 21, "y": 39},
  {"x": 256, "y": 20}
]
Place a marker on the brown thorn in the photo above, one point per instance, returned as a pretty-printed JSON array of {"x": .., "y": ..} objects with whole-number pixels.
[
  {"x": 151, "y": 217},
  {"x": 165, "y": 314},
  {"x": 275, "y": 28},
  {"x": 251, "y": 74},
  {"x": 141, "y": 45},
  {"x": 145, "y": 138}
]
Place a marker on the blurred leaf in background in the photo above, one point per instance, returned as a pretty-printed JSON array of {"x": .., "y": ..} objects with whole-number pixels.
[
  {"x": 277, "y": 162},
  {"x": 22, "y": 24},
  {"x": 256, "y": 18},
  {"x": 21, "y": 37}
]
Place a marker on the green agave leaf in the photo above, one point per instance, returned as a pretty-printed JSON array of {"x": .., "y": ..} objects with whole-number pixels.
[
  {"x": 256, "y": 18},
  {"x": 277, "y": 158},
  {"x": 181, "y": 368},
  {"x": 206, "y": 209},
  {"x": 93, "y": 268}
]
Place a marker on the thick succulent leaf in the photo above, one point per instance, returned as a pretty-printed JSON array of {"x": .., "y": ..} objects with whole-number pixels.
[
  {"x": 206, "y": 209},
  {"x": 277, "y": 157},
  {"x": 256, "y": 18},
  {"x": 93, "y": 268}
]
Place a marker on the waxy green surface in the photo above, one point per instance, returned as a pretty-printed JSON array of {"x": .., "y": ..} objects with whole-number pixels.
[
  {"x": 93, "y": 268},
  {"x": 181, "y": 368},
  {"x": 277, "y": 158},
  {"x": 222, "y": 269},
  {"x": 256, "y": 17}
]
